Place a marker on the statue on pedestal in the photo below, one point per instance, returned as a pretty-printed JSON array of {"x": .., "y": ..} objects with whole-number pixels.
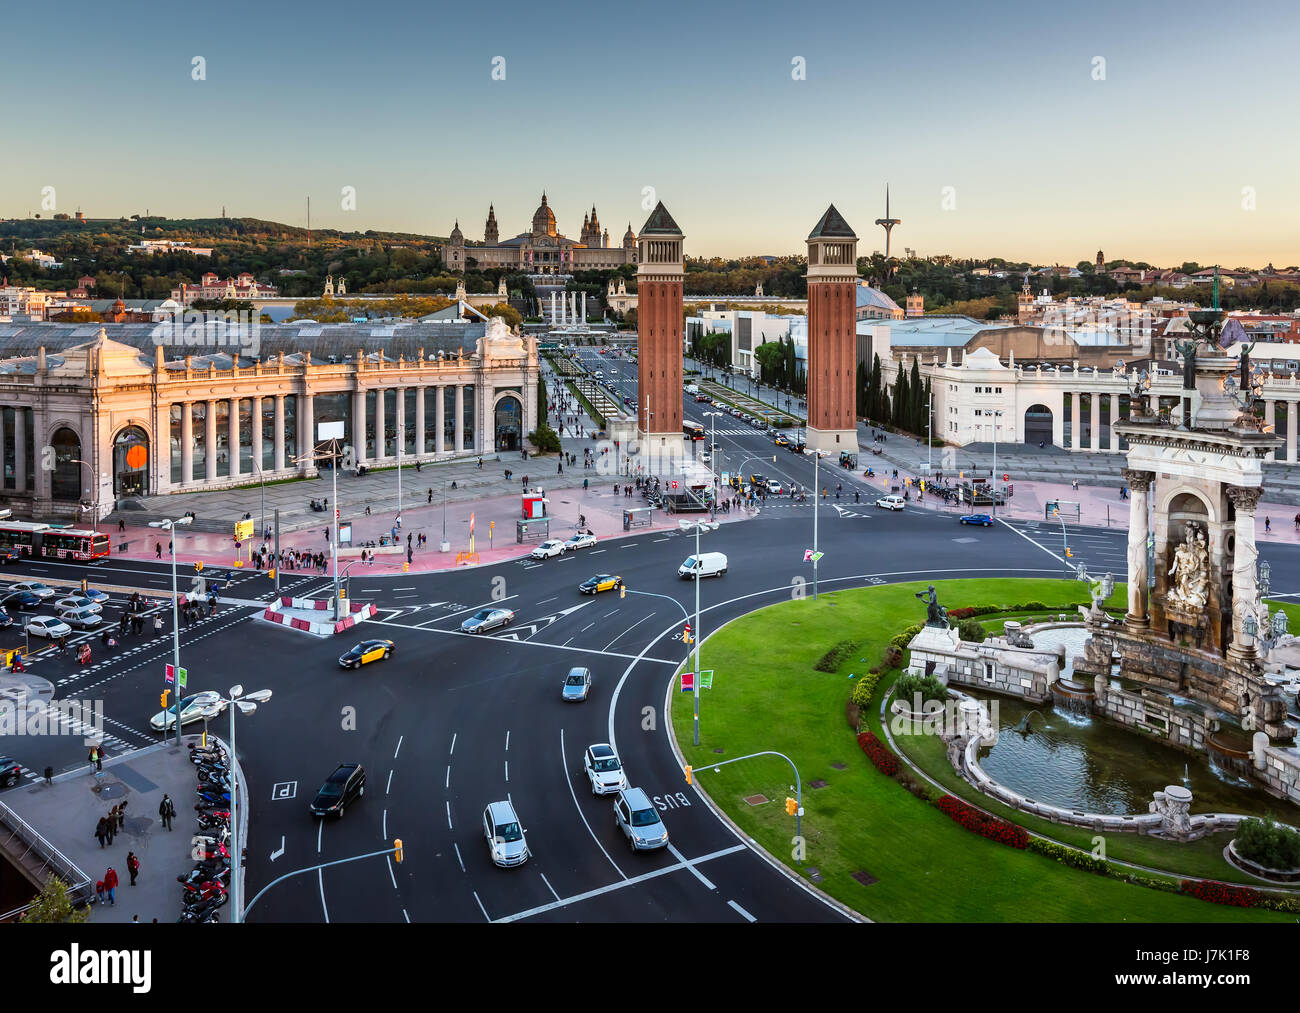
[{"x": 935, "y": 614}]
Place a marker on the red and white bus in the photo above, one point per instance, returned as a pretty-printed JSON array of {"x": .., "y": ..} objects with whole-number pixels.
[
  {"x": 692, "y": 430},
  {"x": 34, "y": 539},
  {"x": 73, "y": 543}
]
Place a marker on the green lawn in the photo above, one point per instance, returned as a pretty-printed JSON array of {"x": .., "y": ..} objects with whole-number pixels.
[{"x": 767, "y": 695}]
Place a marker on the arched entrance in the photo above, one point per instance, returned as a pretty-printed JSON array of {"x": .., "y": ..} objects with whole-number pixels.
[
  {"x": 509, "y": 423},
  {"x": 65, "y": 480},
  {"x": 1038, "y": 424},
  {"x": 131, "y": 463}
]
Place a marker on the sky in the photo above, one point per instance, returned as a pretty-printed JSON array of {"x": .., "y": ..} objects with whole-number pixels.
[{"x": 1152, "y": 131}]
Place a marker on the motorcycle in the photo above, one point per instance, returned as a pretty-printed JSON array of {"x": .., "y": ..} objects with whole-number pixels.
[
  {"x": 211, "y": 838},
  {"x": 214, "y": 794},
  {"x": 205, "y": 915}
]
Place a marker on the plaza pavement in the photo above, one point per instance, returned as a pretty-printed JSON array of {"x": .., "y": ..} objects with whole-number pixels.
[{"x": 67, "y": 811}]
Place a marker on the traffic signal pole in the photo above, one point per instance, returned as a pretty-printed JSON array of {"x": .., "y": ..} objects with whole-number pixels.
[{"x": 798, "y": 785}]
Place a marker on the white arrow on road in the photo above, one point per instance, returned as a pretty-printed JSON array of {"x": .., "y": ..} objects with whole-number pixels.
[
  {"x": 844, "y": 512},
  {"x": 524, "y": 632},
  {"x": 277, "y": 854}
]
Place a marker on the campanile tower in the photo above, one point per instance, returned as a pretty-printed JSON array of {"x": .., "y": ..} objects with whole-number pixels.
[
  {"x": 659, "y": 339},
  {"x": 832, "y": 334}
]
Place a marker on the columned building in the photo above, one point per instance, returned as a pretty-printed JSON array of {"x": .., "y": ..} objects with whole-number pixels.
[
  {"x": 832, "y": 334},
  {"x": 659, "y": 275},
  {"x": 146, "y": 424}
]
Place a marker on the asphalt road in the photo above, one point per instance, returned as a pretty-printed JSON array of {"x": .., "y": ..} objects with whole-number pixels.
[{"x": 452, "y": 721}]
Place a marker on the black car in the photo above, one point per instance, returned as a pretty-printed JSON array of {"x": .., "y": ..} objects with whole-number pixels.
[
  {"x": 10, "y": 772},
  {"x": 23, "y": 600},
  {"x": 348, "y": 782},
  {"x": 10, "y": 555}
]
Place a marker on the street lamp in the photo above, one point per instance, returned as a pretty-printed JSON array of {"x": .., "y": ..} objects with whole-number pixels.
[
  {"x": 685, "y": 525},
  {"x": 169, "y": 526},
  {"x": 246, "y": 702},
  {"x": 262, "y": 479}
]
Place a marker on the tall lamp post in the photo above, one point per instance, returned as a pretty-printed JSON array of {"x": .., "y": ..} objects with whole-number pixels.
[
  {"x": 331, "y": 433},
  {"x": 262, "y": 478},
  {"x": 169, "y": 526},
  {"x": 698, "y": 526},
  {"x": 996, "y": 415},
  {"x": 246, "y": 702}
]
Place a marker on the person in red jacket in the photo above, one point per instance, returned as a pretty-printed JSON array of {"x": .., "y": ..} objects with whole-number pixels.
[
  {"x": 110, "y": 884},
  {"x": 132, "y": 866}
]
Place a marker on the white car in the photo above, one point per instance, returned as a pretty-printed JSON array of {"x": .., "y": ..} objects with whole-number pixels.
[
  {"x": 604, "y": 769},
  {"x": 48, "y": 626},
  {"x": 890, "y": 502},
  {"x": 774, "y": 487},
  {"x": 78, "y": 602},
  {"x": 33, "y": 587},
  {"x": 550, "y": 547},
  {"x": 192, "y": 708},
  {"x": 584, "y": 540}
]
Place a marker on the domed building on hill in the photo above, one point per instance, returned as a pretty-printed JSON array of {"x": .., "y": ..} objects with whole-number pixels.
[{"x": 542, "y": 249}]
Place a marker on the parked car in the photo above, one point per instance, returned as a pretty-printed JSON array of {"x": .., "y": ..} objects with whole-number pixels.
[
  {"x": 639, "y": 821},
  {"x": 48, "y": 626},
  {"x": 506, "y": 839},
  {"x": 347, "y": 783},
  {"x": 890, "y": 502},
  {"x": 75, "y": 601},
  {"x": 549, "y": 548},
  {"x": 487, "y": 619},
  {"x": 984, "y": 519},
  {"x": 604, "y": 769},
  {"x": 24, "y": 601},
  {"x": 577, "y": 684},
  {"x": 10, "y": 772},
  {"x": 84, "y": 618},
  {"x": 366, "y": 652}
]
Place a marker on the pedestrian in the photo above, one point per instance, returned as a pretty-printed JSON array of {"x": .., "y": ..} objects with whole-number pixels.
[
  {"x": 101, "y": 831},
  {"x": 99, "y": 759},
  {"x": 121, "y": 816},
  {"x": 399, "y": 523},
  {"x": 110, "y": 825},
  {"x": 430, "y": 497},
  {"x": 110, "y": 885},
  {"x": 135, "y": 919},
  {"x": 133, "y": 867},
  {"x": 121, "y": 624},
  {"x": 408, "y": 554},
  {"x": 1268, "y": 525},
  {"x": 559, "y": 467},
  {"x": 167, "y": 810},
  {"x": 99, "y": 891},
  {"x": 326, "y": 532},
  {"x": 1074, "y": 484},
  {"x": 157, "y": 550}
]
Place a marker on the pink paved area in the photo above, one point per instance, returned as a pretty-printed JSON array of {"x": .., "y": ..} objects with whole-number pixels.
[{"x": 601, "y": 508}]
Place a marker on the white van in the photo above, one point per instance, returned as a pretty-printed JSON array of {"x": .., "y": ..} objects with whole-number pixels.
[{"x": 706, "y": 564}]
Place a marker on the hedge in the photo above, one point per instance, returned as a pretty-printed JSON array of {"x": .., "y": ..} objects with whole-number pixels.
[
  {"x": 864, "y": 690},
  {"x": 885, "y": 761},
  {"x": 836, "y": 656},
  {"x": 1221, "y": 893},
  {"x": 1072, "y": 857},
  {"x": 981, "y": 823},
  {"x": 1267, "y": 843}
]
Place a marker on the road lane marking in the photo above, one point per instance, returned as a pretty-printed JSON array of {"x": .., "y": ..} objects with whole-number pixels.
[
  {"x": 480, "y": 906},
  {"x": 399, "y": 747},
  {"x": 447, "y": 783},
  {"x": 629, "y": 629},
  {"x": 548, "y": 885},
  {"x": 320, "y": 829},
  {"x": 540, "y": 643},
  {"x": 458, "y": 858},
  {"x": 472, "y": 608},
  {"x": 595, "y": 552},
  {"x": 507, "y": 771},
  {"x": 449, "y": 826},
  {"x": 384, "y": 833},
  {"x": 634, "y": 881},
  {"x": 452, "y": 750},
  {"x": 507, "y": 740},
  {"x": 546, "y": 600},
  {"x": 583, "y": 816},
  {"x": 608, "y": 614},
  {"x": 389, "y": 860},
  {"x": 672, "y": 849},
  {"x": 320, "y": 875},
  {"x": 741, "y": 911},
  {"x": 1031, "y": 541},
  {"x": 388, "y": 788}
]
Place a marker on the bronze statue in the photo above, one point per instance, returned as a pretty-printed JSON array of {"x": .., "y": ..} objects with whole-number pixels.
[
  {"x": 935, "y": 614},
  {"x": 1187, "y": 349}
]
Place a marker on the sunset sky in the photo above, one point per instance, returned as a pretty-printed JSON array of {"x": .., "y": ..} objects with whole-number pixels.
[{"x": 997, "y": 102}]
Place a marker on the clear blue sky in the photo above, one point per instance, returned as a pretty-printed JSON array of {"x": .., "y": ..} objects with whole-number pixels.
[{"x": 996, "y": 101}]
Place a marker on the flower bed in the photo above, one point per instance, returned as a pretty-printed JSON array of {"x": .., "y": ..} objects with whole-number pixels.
[
  {"x": 986, "y": 826},
  {"x": 885, "y": 761},
  {"x": 1221, "y": 893}
]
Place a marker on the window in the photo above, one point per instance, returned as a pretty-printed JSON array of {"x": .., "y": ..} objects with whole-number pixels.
[{"x": 989, "y": 671}]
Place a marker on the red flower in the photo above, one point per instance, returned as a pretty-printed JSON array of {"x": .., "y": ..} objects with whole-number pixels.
[
  {"x": 885, "y": 761},
  {"x": 1221, "y": 893},
  {"x": 986, "y": 826}
]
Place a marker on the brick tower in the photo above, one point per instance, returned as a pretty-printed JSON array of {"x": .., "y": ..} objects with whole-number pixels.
[
  {"x": 659, "y": 340},
  {"x": 832, "y": 334}
]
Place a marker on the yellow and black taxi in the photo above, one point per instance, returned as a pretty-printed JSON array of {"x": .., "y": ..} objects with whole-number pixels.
[
  {"x": 366, "y": 652},
  {"x": 600, "y": 582},
  {"x": 781, "y": 440}
]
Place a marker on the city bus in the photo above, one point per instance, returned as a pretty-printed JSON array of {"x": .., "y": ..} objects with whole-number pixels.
[
  {"x": 73, "y": 543},
  {"x": 34, "y": 539},
  {"x": 692, "y": 430}
]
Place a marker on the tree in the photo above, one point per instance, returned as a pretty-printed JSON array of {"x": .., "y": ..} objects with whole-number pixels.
[
  {"x": 507, "y": 313},
  {"x": 52, "y": 906},
  {"x": 541, "y": 402},
  {"x": 914, "y": 388},
  {"x": 545, "y": 439}
]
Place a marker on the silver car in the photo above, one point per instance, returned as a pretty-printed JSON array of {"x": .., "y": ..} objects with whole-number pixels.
[
  {"x": 604, "y": 769},
  {"x": 487, "y": 619},
  {"x": 505, "y": 837},
  {"x": 577, "y": 684},
  {"x": 639, "y": 821}
]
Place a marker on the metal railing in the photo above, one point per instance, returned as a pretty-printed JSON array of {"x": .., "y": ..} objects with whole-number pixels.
[{"x": 13, "y": 828}]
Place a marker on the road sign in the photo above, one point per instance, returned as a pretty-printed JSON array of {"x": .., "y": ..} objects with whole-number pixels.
[
  {"x": 688, "y": 682},
  {"x": 169, "y": 673},
  {"x": 706, "y": 679},
  {"x": 184, "y": 679}
]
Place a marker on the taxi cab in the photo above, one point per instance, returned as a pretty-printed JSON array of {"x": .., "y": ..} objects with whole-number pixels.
[
  {"x": 601, "y": 582},
  {"x": 366, "y": 652},
  {"x": 780, "y": 440}
]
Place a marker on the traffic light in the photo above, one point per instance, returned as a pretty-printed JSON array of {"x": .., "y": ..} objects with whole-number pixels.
[
  {"x": 791, "y": 806},
  {"x": 397, "y": 855},
  {"x": 165, "y": 694},
  {"x": 1069, "y": 552},
  {"x": 198, "y": 566},
  {"x": 688, "y": 774},
  {"x": 622, "y": 591},
  {"x": 271, "y": 573}
]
